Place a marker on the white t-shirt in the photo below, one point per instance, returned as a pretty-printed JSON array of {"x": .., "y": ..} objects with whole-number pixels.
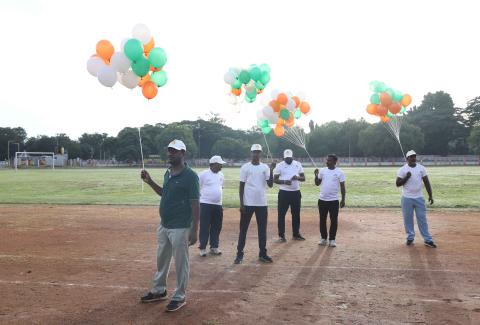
[
  {"x": 211, "y": 187},
  {"x": 255, "y": 177},
  {"x": 413, "y": 187},
  {"x": 286, "y": 173},
  {"x": 331, "y": 179}
]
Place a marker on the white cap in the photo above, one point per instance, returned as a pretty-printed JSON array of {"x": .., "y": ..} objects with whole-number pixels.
[
  {"x": 410, "y": 153},
  {"x": 177, "y": 145},
  {"x": 288, "y": 153},
  {"x": 256, "y": 147},
  {"x": 216, "y": 160}
]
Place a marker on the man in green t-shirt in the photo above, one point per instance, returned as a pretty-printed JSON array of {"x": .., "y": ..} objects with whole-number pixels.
[{"x": 179, "y": 206}]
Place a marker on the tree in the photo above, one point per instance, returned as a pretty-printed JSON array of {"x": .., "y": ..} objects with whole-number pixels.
[
  {"x": 442, "y": 126},
  {"x": 471, "y": 113},
  {"x": 376, "y": 141},
  {"x": 127, "y": 145},
  {"x": 176, "y": 131},
  {"x": 9, "y": 137},
  {"x": 230, "y": 148},
  {"x": 474, "y": 140}
]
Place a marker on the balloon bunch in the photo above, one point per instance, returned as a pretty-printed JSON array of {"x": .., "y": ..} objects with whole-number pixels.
[
  {"x": 139, "y": 63},
  {"x": 282, "y": 111},
  {"x": 386, "y": 102},
  {"x": 253, "y": 80}
]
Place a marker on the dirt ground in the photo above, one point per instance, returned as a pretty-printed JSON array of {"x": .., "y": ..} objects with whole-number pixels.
[{"x": 90, "y": 264}]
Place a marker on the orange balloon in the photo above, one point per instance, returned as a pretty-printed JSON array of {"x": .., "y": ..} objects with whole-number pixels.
[
  {"x": 296, "y": 100},
  {"x": 384, "y": 119},
  {"x": 282, "y": 99},
  {"x": 236, "y": 92},
  {"x": 385, "y": 99},
  {"x": 105, "y": 50},
  {"x": 143, "y": 80},
  {"x": 279, "y": 131},
  {"x": 149, "y": 90},
  {"x": 406, "y": 100},
  {"x": 290, "y": 122},
  {"x": 304, "y": 107},
  {"x": 372, "y": 109},
  {"x": 280, "y": 122},
  {"x": 395, "y": 108},
  {"x": 149, "y": 46},
  {"x": 382, "y": 110},
  {"x": 274, "y": 105}
]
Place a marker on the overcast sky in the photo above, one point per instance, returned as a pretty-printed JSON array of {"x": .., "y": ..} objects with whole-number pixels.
[{"x": 330, "y": 50}]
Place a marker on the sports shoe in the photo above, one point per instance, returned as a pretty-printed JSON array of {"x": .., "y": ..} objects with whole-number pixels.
[
  {"x": 215, "y": 251},
  {"x": 238, "y": 260},
  {"x": 332, "y": 243},
  {"x": 281, "y": 239},
  {"x": 298, "y": 237},
  {"x": 265, "y": 259},
  {"x": 322, "y": 242},
  {"x": 152, "y": 297},
  {"x": 409, "y": 242},
  {"x": 174, "y": 305},
  {"x": 203, "y": 253},
  {"x": 430, "y": 244}
]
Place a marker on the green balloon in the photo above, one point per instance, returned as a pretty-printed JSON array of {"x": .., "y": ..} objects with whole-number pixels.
[
  {"x": 390, "y": 115},
  {"x": 390, "y": 91},
  {"x": 265, "y": 123},
  {"x": 265, "y": 78},
  {"x": 249, "y": 100},
  {"x": 266, "y": 130},
  {"x": 397, "y": 96},
  {"x": 141, "y": 67},
  {"x": 260, "y": 123},
  {"x": 297, "y": 114},
  {"x": 403, "y": 110},
  {"x": 237, "y": 84},
  {"x": 375, "y": 99},
  {"x": 255, "y": 73},
  {"x": 244, "y": 76},
  {"x": 251, "y": 95},
  {"x": 157, "y": 57},
  {"x": 159, "y": 78},
  {"x": 265, "y": 67},
  {"x": 381, "y": 87},
  {"x": 373, "y": 85},
  {"x": 259, "y": 85},
  {"x": 285, "y": 114},
  {"x": 133, "y": 49}
]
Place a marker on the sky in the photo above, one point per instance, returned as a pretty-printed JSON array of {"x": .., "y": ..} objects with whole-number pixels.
[{"x": 329, "y": 50}]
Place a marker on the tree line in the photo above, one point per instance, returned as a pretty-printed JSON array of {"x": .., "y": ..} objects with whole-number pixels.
[{"x": 435, "y": 127}]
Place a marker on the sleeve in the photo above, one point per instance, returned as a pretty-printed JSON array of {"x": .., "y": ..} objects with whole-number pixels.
[
  {"x": 267, "y": 173},
  {"x": 194, "y": 193},
  {"x": 276, "y": 171},
  {"x": 201, "y": 178},
  {"x": 401, "y": 173},
  {"x": 423, "y": 172},
  {"x": 222, "y": 180},
  {"x": 243, "y": 174},
  {"x": 341, "y": 177},
  {"x": 300, "y": 168},
  {"x": 320, "y": 174}
]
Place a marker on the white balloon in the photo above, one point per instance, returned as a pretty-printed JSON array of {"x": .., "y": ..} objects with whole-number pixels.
[
  {"x": 273, "y": 119},
  {"x": 120, "y": 62},
  {"x": 229, "y": 78},
  {"x": 94, "y": 64},
  {"x": 129, "y": 79},
  {"x": 234, "y": 71},
  {"x": 260, "y": 115},
  {"x": 275, "y": 93},
  {"x": 107, "y": 76},
  {"x": 250, "y": 87},
  {"x": 291, "y": 105},
  {"x": 142, "y": 33},
  {"x": 268, "y": 112}
]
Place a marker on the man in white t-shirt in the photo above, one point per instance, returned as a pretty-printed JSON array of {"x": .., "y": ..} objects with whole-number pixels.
[
  {"x": 411, "y": 176},
  {"x": 211, "y": 211},
  {"x": 289, "y": 173},
  {"x": 331, "y": 180},
  {"x": 254, "y": 178}
]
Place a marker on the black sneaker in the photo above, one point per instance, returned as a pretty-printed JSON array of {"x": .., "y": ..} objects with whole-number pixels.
[
  {"x": 281, "y": 239},
  {"x": 298, "y": 237},
  {"x": 265, "y": 259},
  {"x": 409, "y": 242},
  {"x": 430, "y": 244},
  {"x": 238, "y": 260},
  {"x": 174, "y": 305},
  {"x": 152, "y": 297}
]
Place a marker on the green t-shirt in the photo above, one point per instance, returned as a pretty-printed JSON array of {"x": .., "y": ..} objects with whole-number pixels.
[{"x": 178, "y": 192}]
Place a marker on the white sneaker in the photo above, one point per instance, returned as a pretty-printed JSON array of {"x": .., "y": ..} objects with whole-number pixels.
[
  {"x": 332, "y": 243},
  {"x": 203, "y": 253},
  {"x": 322, "y": 242},
  {"x": 215, "y": 251}
]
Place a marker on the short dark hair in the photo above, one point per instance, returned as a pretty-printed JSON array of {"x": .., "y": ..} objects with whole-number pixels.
[{"x": 333, "y": 156}]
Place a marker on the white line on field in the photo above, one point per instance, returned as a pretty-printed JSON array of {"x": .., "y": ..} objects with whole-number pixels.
[
  {"x": 152, "y": 261},
  {"x": 117, "y": 287}
]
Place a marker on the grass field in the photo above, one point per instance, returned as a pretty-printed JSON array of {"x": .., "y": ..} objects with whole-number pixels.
[{"x": 453, "y": 187}]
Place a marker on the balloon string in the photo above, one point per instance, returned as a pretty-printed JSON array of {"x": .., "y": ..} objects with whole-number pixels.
[
  {"x": 141, "y": 152},
  {"x": 268, "y": 148}
]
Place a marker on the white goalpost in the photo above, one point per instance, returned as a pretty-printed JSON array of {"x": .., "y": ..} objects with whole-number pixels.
[{"x": 34, "y": 159}]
